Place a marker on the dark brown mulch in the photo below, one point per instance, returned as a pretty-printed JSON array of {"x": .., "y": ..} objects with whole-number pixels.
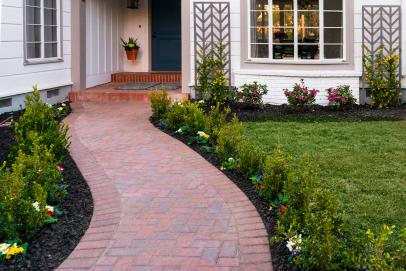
[
  {"x": 279, "y": 251},
  {"x": 320, "y": 113},
  {"x": 55, "y": 242}
]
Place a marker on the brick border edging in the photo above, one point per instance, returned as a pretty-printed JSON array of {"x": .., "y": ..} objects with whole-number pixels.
[{"x": 106, "y": 201}]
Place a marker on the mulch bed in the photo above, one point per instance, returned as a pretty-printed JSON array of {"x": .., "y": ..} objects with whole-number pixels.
[
  {"x": 320, "y": 113},
  {"x": 55, "y": 242},
  {"x": 279, "y": 251}
]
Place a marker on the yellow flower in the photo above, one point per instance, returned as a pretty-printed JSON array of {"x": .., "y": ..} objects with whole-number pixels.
[{"x": 14, "y": 250}]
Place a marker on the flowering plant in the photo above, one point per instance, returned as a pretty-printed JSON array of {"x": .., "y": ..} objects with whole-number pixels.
[
  {"x": 340, "y": 97},
  {"x": 202, "y": 138},
  {"x": 301, "y": 95},
  {"x": 294, "y": 245},
  {"x": 51, "y": 213},
  {"x": 230, "y": 164},
  {"x": 11, "y": 249},
  {"x": 251, "y": 94}
]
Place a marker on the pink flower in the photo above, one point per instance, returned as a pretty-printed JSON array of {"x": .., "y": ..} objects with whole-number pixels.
[{"x": 59, "y": 168}]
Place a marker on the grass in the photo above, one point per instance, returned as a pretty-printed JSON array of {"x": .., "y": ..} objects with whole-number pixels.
[{"x": 363, "y": 163}]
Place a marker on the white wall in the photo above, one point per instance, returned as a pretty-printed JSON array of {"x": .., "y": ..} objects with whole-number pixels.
[
  {"x": 104, "y": 27},
  {"x": 17, "y": 78}
]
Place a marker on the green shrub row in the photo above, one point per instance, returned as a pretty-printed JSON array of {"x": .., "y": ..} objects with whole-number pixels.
[
  {"x": 310, "y": 220},
  {"x": 32, "y": 178}
]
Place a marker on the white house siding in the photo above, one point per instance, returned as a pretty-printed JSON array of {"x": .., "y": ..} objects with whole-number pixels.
[
  {"x": 104, "y": 26},
  {"x": 16, "y": 79}
]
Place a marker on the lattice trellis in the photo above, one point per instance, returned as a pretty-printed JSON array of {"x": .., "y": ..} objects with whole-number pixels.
[
  {"x": 211, "y": 30},
  {"x": 382, "y": 28}
]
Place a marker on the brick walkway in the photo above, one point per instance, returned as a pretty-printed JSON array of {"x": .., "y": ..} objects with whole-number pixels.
[{"x": 158, "y": 204}]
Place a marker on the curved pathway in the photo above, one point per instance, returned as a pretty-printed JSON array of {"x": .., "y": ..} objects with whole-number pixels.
[{"x": 158, "y": 204}]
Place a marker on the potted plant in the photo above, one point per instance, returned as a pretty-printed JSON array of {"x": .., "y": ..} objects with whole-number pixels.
[{"x": 131, "y": 48}]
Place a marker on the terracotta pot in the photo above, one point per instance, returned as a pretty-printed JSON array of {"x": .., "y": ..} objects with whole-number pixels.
[{"x": 132, "y": 55}]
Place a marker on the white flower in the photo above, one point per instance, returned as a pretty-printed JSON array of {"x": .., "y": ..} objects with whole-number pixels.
[
  {"x": 36, "y": 206},
  {"x": 64, "y": 104},
  {"x": 201, "y": 102},
  {"x": 179, "y": 131},
  {"x": 231, "y": 159},
  {"x": 60, "y": 108},
  {"x": 4, "y": 248},
  {"x": 294, "y": 243},
  {"x": 49, "y": 105}
]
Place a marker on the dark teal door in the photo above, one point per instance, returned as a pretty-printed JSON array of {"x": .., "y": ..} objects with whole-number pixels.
[{"x": 166, "y": 35}]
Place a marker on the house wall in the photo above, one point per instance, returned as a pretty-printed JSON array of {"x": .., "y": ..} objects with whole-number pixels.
[
  {"x": 16, "y": 78},
  {"x": 104, "y": 28}
]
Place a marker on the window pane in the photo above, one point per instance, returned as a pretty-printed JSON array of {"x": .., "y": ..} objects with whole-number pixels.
[
  {"x": 333, "y": 19},
  {"x": 282, "y": 5},
  {"x": 308, "y": 4},
  {"x": 308, "y": 35},
  {"x": 51, "y": 50},
  {"x": 50, "y": 3},
  {"x": 36, "y": 3},
  {"x": 260, "y": 51},
  {"x": 50, "y": 17},
  {"x": 283, "y": 18},
  {"x": 50, "y": 33},
  {"x": 33, "y": 15},
  {"x": 333, "y": 4},
  {"x": 259, "y": 35},
  {"x": 308, "y": 18},
  {"x": 33, "y": 50},
  {"x": 283, "y": 52},
  {"x": 333, "y": 35},
  {"x": 33, "y": 33},
  {"x": 283, "y": 35},
  {"x": 259, "y": 18},
  {"x": 333, "y": 51},
  {"x": 309, "y": 51},
  {"x": 259, "y": 4}
]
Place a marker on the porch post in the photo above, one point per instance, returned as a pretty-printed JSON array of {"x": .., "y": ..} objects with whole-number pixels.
[
  {"x": 78, "y": 19},
  {"x": 186, "y": 53}
]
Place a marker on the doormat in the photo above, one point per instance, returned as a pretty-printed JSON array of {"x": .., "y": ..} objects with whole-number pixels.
[{"x": 150, "y": 86}]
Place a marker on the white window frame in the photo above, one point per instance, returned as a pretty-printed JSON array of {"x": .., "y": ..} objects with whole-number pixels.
[
  {"x": 296, "y": 60},
  {"x": 59, "y": 31}
]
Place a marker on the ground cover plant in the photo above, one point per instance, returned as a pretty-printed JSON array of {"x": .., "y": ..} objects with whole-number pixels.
[
  {"x": 313, "y": 230},
  {"x": 34, "y": 189}
]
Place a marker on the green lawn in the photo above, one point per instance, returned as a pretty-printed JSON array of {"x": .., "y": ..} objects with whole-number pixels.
[{"x": 363, "y": 163}]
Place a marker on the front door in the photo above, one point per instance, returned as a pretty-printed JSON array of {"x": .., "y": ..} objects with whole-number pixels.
[{"x": 166, "y": 35}]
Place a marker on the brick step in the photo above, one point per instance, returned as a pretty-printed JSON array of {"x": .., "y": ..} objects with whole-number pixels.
[{"x": 147, "y": 77}]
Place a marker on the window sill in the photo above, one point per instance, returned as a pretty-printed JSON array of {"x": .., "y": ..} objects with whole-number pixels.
[
  {"x": 42, "y": 61},
  {"x": 296, "y": 62}
]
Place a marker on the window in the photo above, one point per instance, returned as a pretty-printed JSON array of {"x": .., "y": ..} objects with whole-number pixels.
[
  {"x": 42, "y": 30},
  {"x": 296, "y": 29}
]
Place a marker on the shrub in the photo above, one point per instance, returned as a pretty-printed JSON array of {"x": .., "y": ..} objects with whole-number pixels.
[
  {"x": 381, "y": 74},
  {"x": 40, "y": 167},
  {"x": 160, "y": 104},
  {"x": 277, "y": 172},
  {"x": 340, "y": 97},
  {"x": 38, "y": 118},
  {"x": 251, "y": 94},
  {"x": 176, "y": 116},
  {"x": 195, "y": 118},
  {"x": 251, "y": 158},
  {"x": 229, "y": 137},
  {"x": 300, "y": 95},
  {"x": 18, "y": 217},
  {"x": 216, "y": 119}
]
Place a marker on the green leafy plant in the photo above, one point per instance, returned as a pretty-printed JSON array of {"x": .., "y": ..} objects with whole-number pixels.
[
  {"x": 131, "y": 44},
  {"x": 160, "y": 104},
  {"x": 301, "y": 95},
  {"x": 195, "y": 118},
  {"x": 176, "y": 115},
  {"x": 251, "y": 158},
  {"x": 250, "y": 95},
  {"x": 229, "y": 137},
  {"x": 39, "y": 118},
  {"x": 381, "y": 74},
  {"x": 216, "y": 120}
]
